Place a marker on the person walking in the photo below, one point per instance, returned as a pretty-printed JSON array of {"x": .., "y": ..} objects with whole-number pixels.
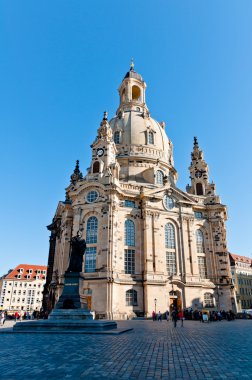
[
  {"x": 153, "y": 316},
  {"x": 174, "y": 315},
  {"x": 159, "y": 316},
  {"x": 181, "y": 317},
  {"x": 167, "y": 315}
]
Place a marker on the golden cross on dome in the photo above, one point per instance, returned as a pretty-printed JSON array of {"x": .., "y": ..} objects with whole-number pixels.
[{"x": 132, "y": 64}]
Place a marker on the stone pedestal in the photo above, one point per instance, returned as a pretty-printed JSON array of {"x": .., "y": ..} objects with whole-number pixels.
[{"x": 70, "y": 297}]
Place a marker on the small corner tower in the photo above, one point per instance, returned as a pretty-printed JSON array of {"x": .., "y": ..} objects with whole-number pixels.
[
  {"x": 104, "y": 152},
  {"x": 199, "y": 174}
]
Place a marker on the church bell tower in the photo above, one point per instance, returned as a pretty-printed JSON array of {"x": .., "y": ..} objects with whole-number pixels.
[{"x": 199, "y": 174}]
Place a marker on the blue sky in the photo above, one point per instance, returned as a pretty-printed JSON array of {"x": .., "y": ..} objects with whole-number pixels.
[{"x": 61, "y": 63}]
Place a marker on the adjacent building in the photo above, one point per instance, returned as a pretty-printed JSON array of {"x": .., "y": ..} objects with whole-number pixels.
[
  {"x": 22, "y": 288},
  {"x": 149, "y": 243},
  {"x": 241, "y": 269}
]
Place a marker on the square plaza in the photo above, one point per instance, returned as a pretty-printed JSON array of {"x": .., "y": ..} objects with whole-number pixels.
[{"x": 152, "y": 350}]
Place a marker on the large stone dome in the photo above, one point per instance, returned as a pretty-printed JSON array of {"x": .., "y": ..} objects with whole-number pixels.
[
  {"x": 139, "y": 135},
  {"x": 144, "y": 151}
]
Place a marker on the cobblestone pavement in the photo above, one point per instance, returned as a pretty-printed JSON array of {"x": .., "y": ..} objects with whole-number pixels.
[{"x": 153, "y": 350}]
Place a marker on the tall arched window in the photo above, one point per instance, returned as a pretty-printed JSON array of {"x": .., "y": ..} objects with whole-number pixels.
[
  {"x": 171, "y": 264},
  {"x": 159, "y": 177},
  {"x": 96, "y": 167},
  {"x": 200, "y": 241},
  {"x": 92, "y": 226},
  {"x": 91, "y": 241},
  {"x": 129, "y": 233},
  {"x": 131, "y": 297},
  {"x": 117, "y": 137},
  {"x": 129, "y": 251}
]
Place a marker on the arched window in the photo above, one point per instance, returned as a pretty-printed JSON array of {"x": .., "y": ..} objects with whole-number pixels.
[
  {"x": 199, "y": 189},
  {"x": 150, "y": 137},
  {"x": 159, "y": 177},
  {"x": 129, "y": 251},
  {"x": 131, "y": 297},
  {"x": 96, "y": 167},
  {"x": 171, "y": 262},
  {"x": 129, "y": 233},
  {"x": 91, "y": 241},
  {"x": 117, "y": 137},
  {"x": 208, "y": 300},
  {"x": 136, "y": 93},
  {"x": 200, "y": 241},
  {"x": 169, "y": 236},
  {"x": 92, "y": 226}
]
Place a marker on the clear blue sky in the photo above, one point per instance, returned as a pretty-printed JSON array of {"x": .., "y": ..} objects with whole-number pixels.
[{"x": 61, "y": 63}]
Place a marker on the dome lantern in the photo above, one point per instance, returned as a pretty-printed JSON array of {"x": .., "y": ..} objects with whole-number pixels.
[{"x": 132, "y": 92}]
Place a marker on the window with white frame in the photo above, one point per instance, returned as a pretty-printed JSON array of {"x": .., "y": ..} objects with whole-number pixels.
[
  {"x": 131, "y": 297},
  {"x": 170, "y": 245},
  {"x": 92, "y": 196},
  {"x": 129, "y": 251},
  {"x": 90, "y": 259},
  {"x": 202, "y": 266},
  {"x": 200, "y": 241},
  {"x": 129, "y": 261},
  {"x": 171, "y": 266},
  {"x": 129, "y": 233},
  {"x": 159, "y": 177},
  {"x": 169, "y": 236},
  {"x": 91, "y": 232},
  {"x": 91, "y": 241}
]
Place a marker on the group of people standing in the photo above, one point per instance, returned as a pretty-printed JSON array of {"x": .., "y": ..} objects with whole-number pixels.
[{"x": 175, "y": 316}]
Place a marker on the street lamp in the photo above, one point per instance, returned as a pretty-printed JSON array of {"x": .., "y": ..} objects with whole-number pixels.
[{"x": 155, "y": 302}]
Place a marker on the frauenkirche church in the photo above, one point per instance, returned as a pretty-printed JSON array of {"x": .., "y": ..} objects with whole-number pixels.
[{"x": 149, "y": 244}]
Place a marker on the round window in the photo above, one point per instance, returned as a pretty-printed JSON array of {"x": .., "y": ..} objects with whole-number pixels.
[
  {"x": 92, "y": 196},
  {"x": 168, "y": 202}
]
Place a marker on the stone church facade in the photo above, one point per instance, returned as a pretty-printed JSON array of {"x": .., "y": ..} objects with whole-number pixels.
[{"x": 150, "y": 245}]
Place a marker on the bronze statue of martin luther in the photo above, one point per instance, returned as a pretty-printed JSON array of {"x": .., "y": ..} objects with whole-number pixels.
[{"x": 78, "y": 247}]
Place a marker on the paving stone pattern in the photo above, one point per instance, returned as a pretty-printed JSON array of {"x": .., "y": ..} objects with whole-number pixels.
[{"x": 153, "y": 350}]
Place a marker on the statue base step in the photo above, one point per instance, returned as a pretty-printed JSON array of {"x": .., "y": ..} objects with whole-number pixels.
[
  {"x": 69, "y": 321},
  {"x": 70, "y": 314},
  {"x": 66, "y": 325}
]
